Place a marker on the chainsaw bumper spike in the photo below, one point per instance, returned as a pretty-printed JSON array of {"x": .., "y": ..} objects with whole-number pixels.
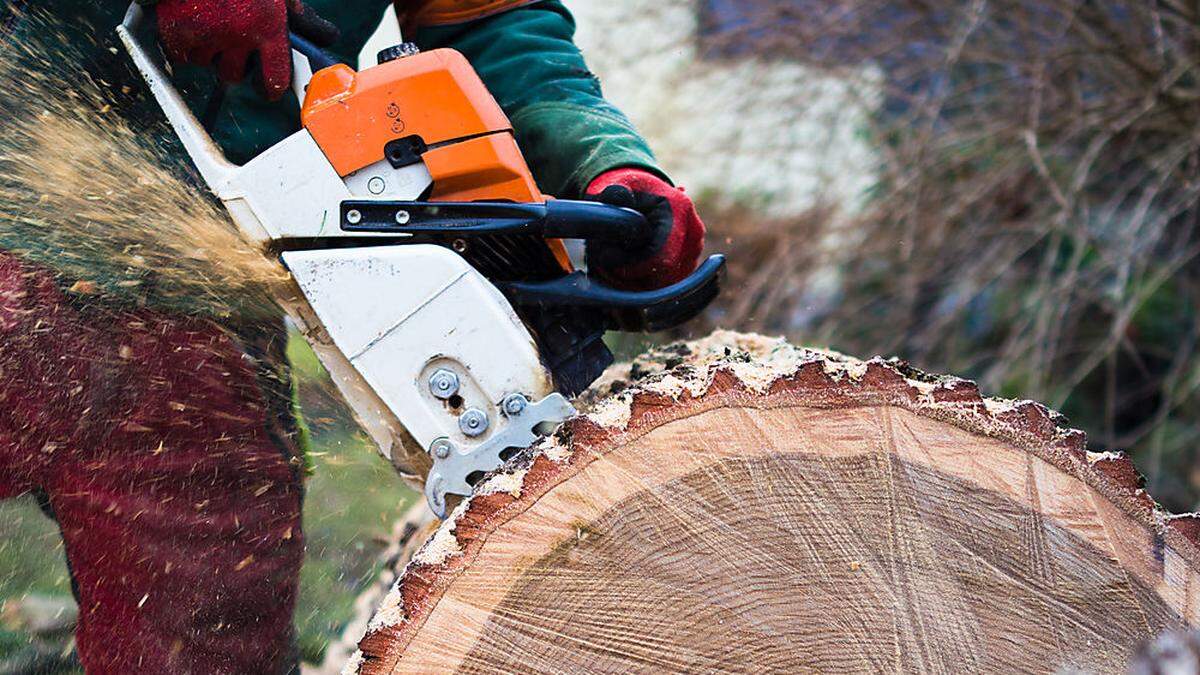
[{"x": 456, "y": 471}]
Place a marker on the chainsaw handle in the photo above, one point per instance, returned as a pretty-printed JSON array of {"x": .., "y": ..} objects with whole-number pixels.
[
  {"x": 318, "y": 59},
  {"x": 553, "y": 219},
  {"x": 631, "y": 311},
  {"x": 595, "y": 221}
]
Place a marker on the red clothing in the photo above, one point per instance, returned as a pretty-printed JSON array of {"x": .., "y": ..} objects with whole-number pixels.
[
  {"x": 677, "y": 232},
  {"x": 172, "y": 475}
]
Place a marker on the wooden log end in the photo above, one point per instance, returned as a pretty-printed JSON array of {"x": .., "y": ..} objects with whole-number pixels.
[{"x": 759, "y": 382}]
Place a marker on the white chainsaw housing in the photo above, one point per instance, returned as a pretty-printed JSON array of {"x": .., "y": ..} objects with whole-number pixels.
[
  {"x": 399, "y": 313},
  {"x": 382, "y": 319}
]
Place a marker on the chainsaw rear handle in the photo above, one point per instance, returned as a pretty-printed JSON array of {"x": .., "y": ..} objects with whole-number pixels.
[{"x": 552, "y": 219}]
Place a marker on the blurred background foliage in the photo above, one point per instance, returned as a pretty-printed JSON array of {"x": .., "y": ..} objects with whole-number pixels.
[
  {"x": 1032, "y": 222},
  {"x": 1001, "y": 189}
]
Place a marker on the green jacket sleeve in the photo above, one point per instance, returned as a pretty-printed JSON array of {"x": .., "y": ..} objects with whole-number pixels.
[{"x": 528, "y": 59}]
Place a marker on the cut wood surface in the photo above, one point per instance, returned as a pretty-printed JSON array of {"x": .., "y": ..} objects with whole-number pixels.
[{"x": 738, "y": 504}]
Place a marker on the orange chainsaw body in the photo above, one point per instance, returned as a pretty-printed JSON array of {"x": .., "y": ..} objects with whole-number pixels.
[{"x": 436, "y": 96}]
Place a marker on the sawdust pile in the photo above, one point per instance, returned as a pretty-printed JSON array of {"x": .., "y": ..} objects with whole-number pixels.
[{"x": 93, "y": 197}]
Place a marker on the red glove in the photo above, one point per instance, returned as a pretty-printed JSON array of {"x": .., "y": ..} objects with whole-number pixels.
[
  {"x": 672, "y": 248},
  {"x": 201, "y": 32}
]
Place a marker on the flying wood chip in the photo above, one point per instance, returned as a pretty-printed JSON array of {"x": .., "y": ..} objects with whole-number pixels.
[{"x": 757, "y": 506}]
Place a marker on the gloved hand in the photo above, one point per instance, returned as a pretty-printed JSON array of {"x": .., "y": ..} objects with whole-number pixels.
[
  {"x": 229, "y": 31},
  {"x": 671, "y": 249}
]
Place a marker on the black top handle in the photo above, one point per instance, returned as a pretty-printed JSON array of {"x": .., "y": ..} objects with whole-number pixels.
[
  {"x": 554, "y": 219},
  {"x": 318, "y": 58}
]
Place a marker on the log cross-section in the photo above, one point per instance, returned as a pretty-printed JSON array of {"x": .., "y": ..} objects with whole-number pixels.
[{"x": 758, "y": 507}]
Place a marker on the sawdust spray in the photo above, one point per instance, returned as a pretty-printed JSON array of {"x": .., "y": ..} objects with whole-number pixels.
[{"x": 103, "y": 203}]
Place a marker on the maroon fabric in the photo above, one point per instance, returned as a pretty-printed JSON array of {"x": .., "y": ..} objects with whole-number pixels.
[
  {"x": 178, "y": 503},
  {"x": 679, "y": 254},
  {"x": 225, "y": 33}
]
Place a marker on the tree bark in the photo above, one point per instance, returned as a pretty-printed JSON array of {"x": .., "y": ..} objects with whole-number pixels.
[{"x": 743, "y": 505}]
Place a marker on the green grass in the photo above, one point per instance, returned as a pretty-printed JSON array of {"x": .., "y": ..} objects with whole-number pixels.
[
  {"x": 31, "y": 562},
  {"x": 352, "y": 499},
  {"x": 31, "y": 551}
]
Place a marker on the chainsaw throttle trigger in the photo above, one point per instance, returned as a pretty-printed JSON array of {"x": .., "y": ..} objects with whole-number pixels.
[{"x": 634, "y": 311}]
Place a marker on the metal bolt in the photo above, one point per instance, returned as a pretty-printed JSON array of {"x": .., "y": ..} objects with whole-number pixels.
[
  {"x": 354, "y": 216},
  {"x": 402, "y": 217},
  {"x": 473, "y": 422},
  {"x": 442, "y": 448},
  {"x": 443, "y": 383},
  {"x": 459, "y": 245},
  {"x": 514, "y": 404},
  {"x": 376, "y": 185}
]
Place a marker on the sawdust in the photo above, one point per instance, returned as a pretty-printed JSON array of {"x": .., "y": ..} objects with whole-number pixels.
[
  {"x": 353, "y": 663},
  {"x": 509, "y": 482},
  {"x": 554, "y": 449},
  {"x": 443, "y": 544},
  {"x": 436, "y": 551},
  {"x": 390, "y": 613},
  {"x": 673, "y": 370},
  {"x": 613, "y": 413},
  {"x": 103, "y": 203}
]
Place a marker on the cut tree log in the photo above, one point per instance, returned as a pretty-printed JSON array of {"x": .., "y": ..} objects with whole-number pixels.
[{"x": 744, "y": 505}]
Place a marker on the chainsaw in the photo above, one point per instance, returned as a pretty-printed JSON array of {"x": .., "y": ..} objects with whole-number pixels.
[{"x": 431, "y": 276}]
